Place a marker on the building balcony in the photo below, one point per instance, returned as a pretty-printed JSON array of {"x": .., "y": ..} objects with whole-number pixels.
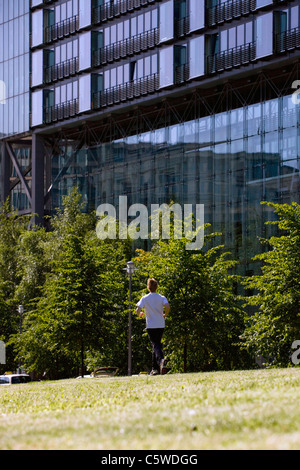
[
  {"x": 61, "y": 30},
  {"x": 182, "y": 73},
  {"x": 127, "y": 91},
  {"x": 288, "y": 40},
  {"x": 127, "y": 47},
  {"x": 111, "y": 10},
  {"x": 182, "y": 27},
  {"x": 235, "y": 57},
  {"x": 229, "y": 10},
  {"x": 61, "y": 111},
  {"x": 65, "y": 69}
]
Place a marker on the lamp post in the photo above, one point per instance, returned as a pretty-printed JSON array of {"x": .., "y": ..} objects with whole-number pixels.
[
  {"x": 21, "y": 312},
  {"x": 130, "y": 268}
]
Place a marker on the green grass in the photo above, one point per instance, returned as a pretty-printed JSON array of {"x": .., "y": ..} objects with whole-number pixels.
[{"x": 220, "y": 410}]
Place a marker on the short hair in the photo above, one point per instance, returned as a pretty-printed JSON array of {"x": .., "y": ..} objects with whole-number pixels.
[{"x": 152, "y": 285}]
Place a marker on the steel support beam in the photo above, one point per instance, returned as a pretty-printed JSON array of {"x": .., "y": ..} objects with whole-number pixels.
[
  {"x": 19, "y": 171},
  {"x": 5, "y": 173},
  {"x": 38, "y": 190}
]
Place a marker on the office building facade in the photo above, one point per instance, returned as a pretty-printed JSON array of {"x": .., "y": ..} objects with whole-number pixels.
[
  {"x": 191, "y": 101},
  {"x": 15, "y": 96}
]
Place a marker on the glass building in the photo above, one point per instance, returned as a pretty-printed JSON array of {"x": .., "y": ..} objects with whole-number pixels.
[
  {"x": 15, "y": 97},
  {"x": 14, "y": 67},
  {"x": 192, "y": 101}
]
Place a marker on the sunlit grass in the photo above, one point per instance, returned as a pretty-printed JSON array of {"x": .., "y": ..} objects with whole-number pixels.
[{"x": 221, "y": 410}]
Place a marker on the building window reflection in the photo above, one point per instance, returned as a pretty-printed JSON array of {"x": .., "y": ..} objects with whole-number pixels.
[
  {"x": 14, "y": 67},
  {"x": 229, "y": 161}
]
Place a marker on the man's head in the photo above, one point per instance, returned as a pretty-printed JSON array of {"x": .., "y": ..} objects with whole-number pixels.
[{"x": 152, "y": 285}]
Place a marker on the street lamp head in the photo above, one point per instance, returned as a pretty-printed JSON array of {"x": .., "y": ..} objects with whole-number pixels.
[
  {"x": 21, "y": 309},
  {"x": 130, "y": 267}
]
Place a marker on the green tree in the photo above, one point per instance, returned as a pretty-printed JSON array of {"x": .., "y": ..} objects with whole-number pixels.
[
  {"x": 206, "y": 320},
  {"x": 5, "y": 331},
  {"x": 73, "y": 317},
  {"x": 31, "y": 265},
  {"x": 12, "y": 228},
  {"x": 274, "y": 325}
]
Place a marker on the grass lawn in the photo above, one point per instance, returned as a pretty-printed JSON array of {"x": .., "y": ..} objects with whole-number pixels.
[{"x": 220, "y": 410}]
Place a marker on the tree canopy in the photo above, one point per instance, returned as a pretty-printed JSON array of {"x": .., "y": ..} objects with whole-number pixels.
[
  {"x": 206, "y": 319},
  {"x": 75, "y": 293},
  {"x": 273, "y": 324}
]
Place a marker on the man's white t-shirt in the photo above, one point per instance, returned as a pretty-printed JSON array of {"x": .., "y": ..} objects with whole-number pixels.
[{"x": 153, "y": 304}]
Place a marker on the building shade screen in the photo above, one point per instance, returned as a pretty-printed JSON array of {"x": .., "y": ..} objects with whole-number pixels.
[
  {"x": 37, "y": 28},
  {"x": 197, "y": 62},
  {"x": 85, "y": 51},
  {"x": 85, "y": 16},
  {"x": 166, "y": 67},
  {"x": 264, "y": 35},
  {"x": 197, "y": 14},
  {"x": 166, "y": 21}
]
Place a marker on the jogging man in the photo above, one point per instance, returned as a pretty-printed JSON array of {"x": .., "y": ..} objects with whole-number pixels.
[{"x": 156, "y": 309}]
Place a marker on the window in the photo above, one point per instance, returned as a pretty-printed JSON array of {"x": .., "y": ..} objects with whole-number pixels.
[
  {"x": 97, "y": 83},
  {"x": 132, "y": 71},
  {"x": 237, "y": 36}
]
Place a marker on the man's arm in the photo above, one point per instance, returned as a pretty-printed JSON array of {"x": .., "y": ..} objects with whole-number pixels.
[
  {"x": 167, "y": 310},
  {"x": 139, "y": 312}
]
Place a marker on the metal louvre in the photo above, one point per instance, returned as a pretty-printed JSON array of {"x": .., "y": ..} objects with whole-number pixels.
[
  {"x": 110, "y": 10},
  {"x": 62, "y": 29},
  {"x": 231, "y": 58},
  {"x": 229, "y": 10},
  {"x": 61, "y": 111},
  {"x": 62, "y": 70},
  {"x": 127, "y": 91},
  {"x": 126, "y": 47},
  {"x": 287, "y": 40}
]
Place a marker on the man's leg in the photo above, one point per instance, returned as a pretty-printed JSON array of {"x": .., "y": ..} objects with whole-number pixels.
[{"x": 155, "y": 336}]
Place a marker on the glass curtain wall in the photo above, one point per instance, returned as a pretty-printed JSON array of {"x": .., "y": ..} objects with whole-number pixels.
[
  {"x": 229, "y": 162},
  {"x": 14, "y": 67}
]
